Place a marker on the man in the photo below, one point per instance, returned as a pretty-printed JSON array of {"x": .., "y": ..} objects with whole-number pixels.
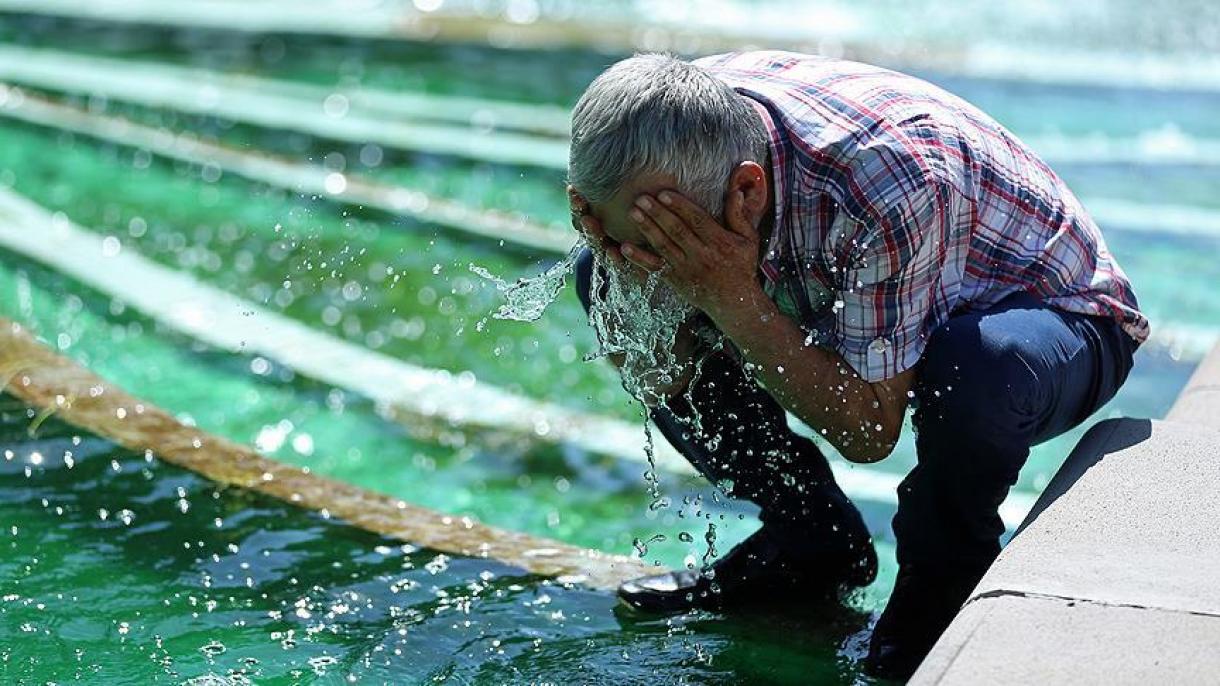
[{"x": 865, "y": 242}]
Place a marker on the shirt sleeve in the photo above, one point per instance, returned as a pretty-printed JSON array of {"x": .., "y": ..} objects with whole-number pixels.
[{"x": 892, "y": 268}]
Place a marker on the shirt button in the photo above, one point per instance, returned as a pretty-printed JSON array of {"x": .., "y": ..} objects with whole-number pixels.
[{"x": 879, "y": 345}]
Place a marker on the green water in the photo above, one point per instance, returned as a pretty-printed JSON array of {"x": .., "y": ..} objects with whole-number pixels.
[
  {"x": 404, "y": 289},
  {"x": 119, "y": 569},
  {"x": 563, "y": 494},
  {"x": 252, "y": 240},
  {"x": 559, "y": 76}
]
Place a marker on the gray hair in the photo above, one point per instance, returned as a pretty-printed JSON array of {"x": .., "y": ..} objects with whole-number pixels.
[{"x": 657, "y": 114}]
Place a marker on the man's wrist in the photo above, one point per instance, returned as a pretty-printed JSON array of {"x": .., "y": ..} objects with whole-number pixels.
[{"x": 737, "y": 317}]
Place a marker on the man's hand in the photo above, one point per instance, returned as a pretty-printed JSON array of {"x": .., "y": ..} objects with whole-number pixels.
[
  {"x": 587, "y": 225},
  {"x": 714, "y": 267},
  {"x": 685, "y": 342}
]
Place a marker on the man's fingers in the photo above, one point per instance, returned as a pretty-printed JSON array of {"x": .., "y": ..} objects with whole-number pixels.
[
  {"x": 657, "y": 237},
  {"x": 702, "y": 224},
  {"x": 615, "y": 254},
  {"x": 674, "y": 227},
  {"x": 642, "y": 258},
  {"x": 587, "y": 224}
]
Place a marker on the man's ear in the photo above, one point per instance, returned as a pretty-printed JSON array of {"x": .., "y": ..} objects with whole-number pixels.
[{"x": 751, "y": 180}]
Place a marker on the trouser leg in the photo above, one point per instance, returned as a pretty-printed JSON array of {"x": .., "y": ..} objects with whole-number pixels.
[
  {"x": 991, "y": 385},
  {"x": 746, "y": 446}
]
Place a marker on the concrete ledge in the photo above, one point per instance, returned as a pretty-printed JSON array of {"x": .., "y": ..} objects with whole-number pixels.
[
  {"x": 1131, "y": 518},
  {"x": 1040, "y": 640},
  {"x": 1199, "y": 403},
  {"x": 1111, "y": 579}
]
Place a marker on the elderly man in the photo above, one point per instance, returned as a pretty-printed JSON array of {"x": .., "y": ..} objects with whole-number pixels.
[{"x": 865, "y": 242}]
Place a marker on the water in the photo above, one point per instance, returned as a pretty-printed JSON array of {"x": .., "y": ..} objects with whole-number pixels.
[
  {"x": 637, "y": 318},
  {"x": 405, "y": 289},
  {"x": 248, "y": 589},
  {"x": 564, "y": 494},
  {"x": 526, "y": 299},
  {"x": 225, "y": 232}
]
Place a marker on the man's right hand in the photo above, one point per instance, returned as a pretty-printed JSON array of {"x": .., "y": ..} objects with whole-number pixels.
[
  {"x": 686, "y": 342},
  {"x": 586, "y": 224}
]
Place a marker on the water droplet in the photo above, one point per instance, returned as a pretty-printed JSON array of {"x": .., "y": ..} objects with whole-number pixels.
[
  {"x": 111, "y": 246},
  {"x": 212, "y": 649}
]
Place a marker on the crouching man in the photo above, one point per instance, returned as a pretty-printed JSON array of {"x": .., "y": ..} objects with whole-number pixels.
[{"x": 865, "y": 242}]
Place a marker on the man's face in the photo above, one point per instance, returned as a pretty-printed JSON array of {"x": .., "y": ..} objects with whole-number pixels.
[{"x": 613, "y": 216}]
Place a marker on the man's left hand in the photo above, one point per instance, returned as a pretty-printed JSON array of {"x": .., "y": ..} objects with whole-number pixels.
[{"x": 713, "y": 266}]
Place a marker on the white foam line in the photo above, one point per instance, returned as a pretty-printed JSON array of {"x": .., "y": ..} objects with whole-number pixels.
[
  {"x": 1164, "y": 147},
  {"x": 371, "y": 20},
  {"x": 301, "y": 178},
  {"x": 268, "y": 103},
  {"x": 1067, "y": 66},
  {"x": 413, "y": 393},
  {"x": 230, "y": 323},
  {"x": 481, "y": 113},
  {"x": 252, "y": 102},
  {"x": 1182, "y": 220},
  {"x": 211, "y": 92}
]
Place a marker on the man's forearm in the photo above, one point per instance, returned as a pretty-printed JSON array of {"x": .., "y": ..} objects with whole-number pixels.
[{"x": 813, "y": 383}]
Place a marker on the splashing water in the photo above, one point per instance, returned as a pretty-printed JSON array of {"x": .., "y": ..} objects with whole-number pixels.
[
  {"x": 637, "y": 318},
  {"x": 528, "y": 297},
  {"x": 641, "y": 546}
]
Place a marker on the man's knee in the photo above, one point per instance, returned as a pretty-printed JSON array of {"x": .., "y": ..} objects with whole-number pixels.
[{"x": 973, "y": 380}]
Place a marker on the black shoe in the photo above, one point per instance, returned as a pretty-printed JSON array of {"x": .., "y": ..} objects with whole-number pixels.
[
  {"x": 757, "y": 570},
  {"x": 920, "y": 609}
]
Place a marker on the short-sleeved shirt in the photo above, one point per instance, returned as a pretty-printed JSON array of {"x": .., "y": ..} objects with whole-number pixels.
[{"x": 898, "y": 204}]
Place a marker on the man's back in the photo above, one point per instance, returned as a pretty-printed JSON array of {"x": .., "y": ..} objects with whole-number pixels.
[{"x": 907, "y": 203}]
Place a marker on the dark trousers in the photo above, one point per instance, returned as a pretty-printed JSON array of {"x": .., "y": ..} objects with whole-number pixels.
[{"x": 991, "y": 384}]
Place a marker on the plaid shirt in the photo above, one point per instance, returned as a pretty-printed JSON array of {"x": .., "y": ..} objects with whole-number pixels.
[{"x": 898, "y": 204}]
